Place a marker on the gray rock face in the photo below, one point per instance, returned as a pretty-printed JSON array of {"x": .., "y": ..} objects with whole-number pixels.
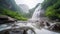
[
  {"x": 6, "y": 19},
  {"x": 9, "y": 4},
  {"x": 24, "y": 8}
]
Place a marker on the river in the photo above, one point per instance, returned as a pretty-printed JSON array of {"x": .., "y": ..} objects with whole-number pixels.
[{"x": 38, "y": 31}]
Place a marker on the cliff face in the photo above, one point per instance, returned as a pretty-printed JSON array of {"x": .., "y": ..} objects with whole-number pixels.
[
  {"x": 24, "y": 8},
  {"x": 9, "y": 4}
]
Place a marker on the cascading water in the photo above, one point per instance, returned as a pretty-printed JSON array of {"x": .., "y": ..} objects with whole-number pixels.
[{"x": 36, "y": 14}]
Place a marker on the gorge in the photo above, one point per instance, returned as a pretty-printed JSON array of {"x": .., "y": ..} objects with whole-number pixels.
[
  {"x": 18, "y": 28},
  {"x": 37, "y": 24}
]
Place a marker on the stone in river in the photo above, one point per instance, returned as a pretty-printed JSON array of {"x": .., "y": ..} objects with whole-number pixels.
[
  {"x": 6, "y": 19},
  {"x": 55, "y": 27}
]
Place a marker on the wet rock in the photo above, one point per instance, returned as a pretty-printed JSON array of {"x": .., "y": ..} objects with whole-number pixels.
[
  {"x": 42, "y": 24},
  {"x": 6, "y": 19},
  {"x": 4, "y": 32},
  {"x": 21, "y": 30},
  {"x": 55, "y": 27},
  {"x": 47, "y": 24},
  {"x": 24, "y": 32}
]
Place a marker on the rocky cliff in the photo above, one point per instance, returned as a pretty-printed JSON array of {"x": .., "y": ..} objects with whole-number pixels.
[{"x": 9, "y": 4}]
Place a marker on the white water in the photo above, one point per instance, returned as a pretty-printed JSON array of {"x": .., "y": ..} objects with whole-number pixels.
[
  {"x": 38, "y": 31},
  {"x": 36, "y": 14}
]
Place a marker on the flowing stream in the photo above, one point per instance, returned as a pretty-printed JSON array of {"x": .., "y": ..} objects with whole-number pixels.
[{"x": 35, "y": 17}]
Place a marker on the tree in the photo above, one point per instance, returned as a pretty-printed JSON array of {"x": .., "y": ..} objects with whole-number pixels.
[{"x": 53, "y": 11}]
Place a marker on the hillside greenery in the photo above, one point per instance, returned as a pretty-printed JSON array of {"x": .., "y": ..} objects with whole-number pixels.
[
  {"x": 10, "y": 8},
  {"x": 4, "y": 11},
  {"x": 52, "y": 9}
]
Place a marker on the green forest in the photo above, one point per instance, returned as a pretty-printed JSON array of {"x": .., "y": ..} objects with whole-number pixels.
[
  {"x": 52, "y": 9},
  {"x": 11, "y": 9}
]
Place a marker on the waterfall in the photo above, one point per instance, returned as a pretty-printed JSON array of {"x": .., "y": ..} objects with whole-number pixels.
[{"x": 36, "y": 14}]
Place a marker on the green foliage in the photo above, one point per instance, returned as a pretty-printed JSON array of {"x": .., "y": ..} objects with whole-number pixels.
[
  {"x": 52, "y": 9},
  {"x": 51, "y": 13},
  {"x": 10, "y": 8},
  {"x": 48, "y": 3},
  {"x": 12, "y": 14}
]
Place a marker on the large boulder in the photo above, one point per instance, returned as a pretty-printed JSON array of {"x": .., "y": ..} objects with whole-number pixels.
[
  {"x": 55, "y": 27},
  {"x": 6, "y": 19}
]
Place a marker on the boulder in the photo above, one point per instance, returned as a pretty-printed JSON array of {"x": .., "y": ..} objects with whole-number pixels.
[
  {"x": 47, "y": 24},
  {"x": 6, "y": 19},
  {"x": 55, "y": 27}
]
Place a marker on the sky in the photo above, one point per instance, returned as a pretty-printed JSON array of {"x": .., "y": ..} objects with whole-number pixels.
[{"x": 30, "y": 3}]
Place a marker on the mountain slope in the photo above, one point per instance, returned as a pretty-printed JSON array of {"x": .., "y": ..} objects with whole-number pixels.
[
  {"x": 9, "y": 4},
  {"x": 52, "y": 9},
  {"x": 10, "y": 8},
  {"x": 24, "y": 8}
]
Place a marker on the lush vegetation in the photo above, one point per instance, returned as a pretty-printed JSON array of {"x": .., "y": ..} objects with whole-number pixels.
[
  {"x": 52, "y": 8},
  {"x": 10, "y": 8},
  {"x": 12, "y": 14}
]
